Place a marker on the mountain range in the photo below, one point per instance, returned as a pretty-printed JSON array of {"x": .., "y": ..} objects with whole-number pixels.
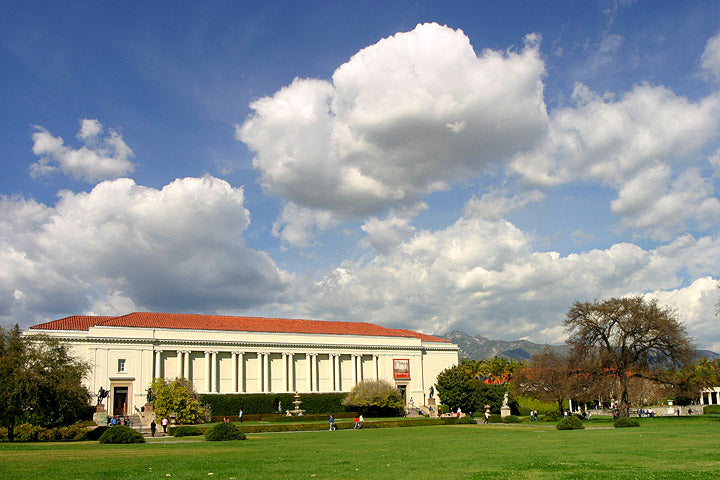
[{"x": 477, "y": 347}]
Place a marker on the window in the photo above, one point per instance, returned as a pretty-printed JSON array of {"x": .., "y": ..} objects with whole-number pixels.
[{"x": 121, "y": 365}]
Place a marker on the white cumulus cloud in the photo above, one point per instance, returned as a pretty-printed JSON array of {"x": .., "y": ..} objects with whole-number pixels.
[
  {"x": 406, "y": 116},
  {"x": 101, "y": 157},
  {"x": 123, "y": 245}
]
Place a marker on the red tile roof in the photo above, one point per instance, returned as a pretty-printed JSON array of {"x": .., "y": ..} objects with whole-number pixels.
[{"x": 185, "y": 321}]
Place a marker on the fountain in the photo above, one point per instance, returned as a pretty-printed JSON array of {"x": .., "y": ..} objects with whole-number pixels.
[{"x": 297, "y": 411}]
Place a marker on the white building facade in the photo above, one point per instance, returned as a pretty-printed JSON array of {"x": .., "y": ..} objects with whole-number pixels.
[{"x": 235, "y": 355}]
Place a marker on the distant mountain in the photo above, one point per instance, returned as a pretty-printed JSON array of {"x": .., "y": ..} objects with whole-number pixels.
[{"x": 477, "y": 347}]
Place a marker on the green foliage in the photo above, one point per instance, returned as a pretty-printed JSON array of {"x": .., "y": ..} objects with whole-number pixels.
[
  {"x": 457, "y": 388},
  {"x": 625, "y": 422},
  {"x": 40, "y": 382},
  {"x": 711, "y": 410},
  {"x": 375, "y": 398},
  {"x": 186, "y": 431},
  {"x": 179, "y": 397},
  {"x": 228, "y": 405},
  {"x": 224, "y": 431},
  {"x": 466, "y": 420},
  {"x": 121, "y": 434},
  {"x": 96, "y": 432},
  {"x": 511, "y": 419},
  {"x": 527, "y": 403},
  {"x": 570, "y": 423}
]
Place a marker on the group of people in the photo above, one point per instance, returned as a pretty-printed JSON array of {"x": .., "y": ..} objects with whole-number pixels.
[
  {"x": 533, "y": 415},
  {"x": 118, "y": 420},
  {"x": 358, "y": 422},
  {"x": 153, "y": 426}
]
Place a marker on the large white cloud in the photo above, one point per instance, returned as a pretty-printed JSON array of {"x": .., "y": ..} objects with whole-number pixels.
[
  {"x": 123, "y": 246},
  {"x": 406, "y": 116},
  {"x": 101, "y": 157},
  {"x": 711, "y": 57},
  {"x": 482, "y": 275}
]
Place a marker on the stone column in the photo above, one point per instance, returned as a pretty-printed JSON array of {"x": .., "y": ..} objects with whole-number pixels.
[
  {"x": 158, "y": 364},
  {"x": 354, "y": 366},
  {"x": 375, "y": 371},
  {"x": 291, "y": 372},
  {"x": 241, "y": 372},
  {"x": 338, "y": 376},
  {"x": 315, "y": 379},
  {"x": 308, "y": 372},
  {"x": 234, "y": 381},
  {"x": 207, "y": 372},
  {"x": 260, "y": 372},
  {"x": 186, "y": 364},
  {"x": 266, "y": 368},
  {"x": 285, "y": 372},
  {"x": 179, "y": 364},
  {"x": 214, "y": 375}
]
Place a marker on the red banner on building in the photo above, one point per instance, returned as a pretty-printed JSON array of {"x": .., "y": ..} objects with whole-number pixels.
[{"x": 401, "y": 368}]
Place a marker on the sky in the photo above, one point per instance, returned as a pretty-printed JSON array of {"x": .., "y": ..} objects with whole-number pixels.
[{"x": 472, "y": 165}]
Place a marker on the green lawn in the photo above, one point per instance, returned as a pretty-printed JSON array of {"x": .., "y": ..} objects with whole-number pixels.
[{"x": 662, "y": 448}]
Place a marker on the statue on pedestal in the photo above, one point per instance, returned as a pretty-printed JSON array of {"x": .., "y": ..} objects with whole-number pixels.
[
  {"x": 101, "y": 395},
  {"x": 432, "y": 391},
  {"x": 150, "y": 395}
]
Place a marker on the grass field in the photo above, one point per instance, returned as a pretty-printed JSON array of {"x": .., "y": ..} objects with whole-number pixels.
[{"x": 662, "y": 448}]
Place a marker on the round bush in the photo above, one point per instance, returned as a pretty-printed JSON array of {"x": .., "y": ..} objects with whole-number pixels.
[
  {"x": 511, "y": 419},
  {"x": 570, "y": 423},
  {"x": 625, "y": 422},
  {"x": 121, "y": 434},
  {"x": 187, "y": 431},
  {"x": 224, "y": 431},
  {"x": 96, "y": 432}
]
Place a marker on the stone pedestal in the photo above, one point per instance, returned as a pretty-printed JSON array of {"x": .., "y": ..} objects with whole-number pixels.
[
  {"x": 100, "y": 416},
  {"x": 431, "y": 401},
  {"x": 148, "y": 414},
  {"x": 504, "y": 412}
]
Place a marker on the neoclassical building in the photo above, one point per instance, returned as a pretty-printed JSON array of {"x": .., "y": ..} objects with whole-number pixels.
[{"x": 227, "y": 354}]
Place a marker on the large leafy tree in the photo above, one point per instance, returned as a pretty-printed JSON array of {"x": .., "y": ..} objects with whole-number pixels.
[
  {"x": 624, "y": 337},
  {"x": 40, "y": 382},
  {"x": 548, "y": 377},
  {"x": 374, "y": 398},
  {"x": 457, "y": 387},
  {"x": 178, "y": 397}
]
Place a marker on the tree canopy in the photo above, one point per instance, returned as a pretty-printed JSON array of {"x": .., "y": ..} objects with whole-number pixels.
[
  {"x": 179, "y": 397},
  {"x": 625, "y": 337},
  {"x": 40, "y": 382},
  {"x": 457, "y": 388},
  {"x": 374, "y": 398}
]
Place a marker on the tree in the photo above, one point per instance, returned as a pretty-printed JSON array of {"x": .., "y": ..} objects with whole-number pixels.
[
  {"x": 548, "y": 377},
  {"x": 456, "y": 388},
  {"x": 178, "y": 397},
  {"x": 375, "y": 398},
  {"x": 624, "y": 337},
  {"x": 40, "y": 382}
]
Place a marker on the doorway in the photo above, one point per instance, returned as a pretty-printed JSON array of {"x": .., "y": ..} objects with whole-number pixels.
[{"x": 120, "y": 397}]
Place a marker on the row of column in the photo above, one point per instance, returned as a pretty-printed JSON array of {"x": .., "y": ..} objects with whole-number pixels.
[{"x": 289, "y": 383}]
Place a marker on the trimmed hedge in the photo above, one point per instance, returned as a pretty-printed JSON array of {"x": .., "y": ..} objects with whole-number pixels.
[
  {"x": 625, "y": 422},
  {"x": 26, "y": 432},
  {"x": 711, "y": 409},
  {"x": 570, "y": 423},
  {"x": 228, "y": 405},
  {"x": 466, "y": 420},
  {"x": 121, "y": 434},
  {"x": 186, "y": 431},
  {"x": 224, "y": 431},
  {"x": 284, "y": 418},
  {"x": 511, "y": 419}
]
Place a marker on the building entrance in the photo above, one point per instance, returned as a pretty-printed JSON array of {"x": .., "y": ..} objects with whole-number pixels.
[{"x": 120, "y": 398}]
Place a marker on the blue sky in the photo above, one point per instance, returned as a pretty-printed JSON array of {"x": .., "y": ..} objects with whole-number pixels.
[{"x": 428, "y": 165}]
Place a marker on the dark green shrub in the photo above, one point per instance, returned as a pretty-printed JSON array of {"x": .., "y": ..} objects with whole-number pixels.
[
  {"x": 50, "y": 434},
  {"x": 466, "y": 420},
  {"x": 625, "y": 422},
  {"x": 96, "y": 433},
  {"x": 711, "y": 410},
  {"x": 186, "y": 431},
  {"x": 224, "y": 431},
  {"x": 121, "y": 434},
  {"x": 511, "y": 419},
  {"x": 444, "y": 409},
  {"x": 570, "y": 423},
  {"x": 495, "y": 418}
]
